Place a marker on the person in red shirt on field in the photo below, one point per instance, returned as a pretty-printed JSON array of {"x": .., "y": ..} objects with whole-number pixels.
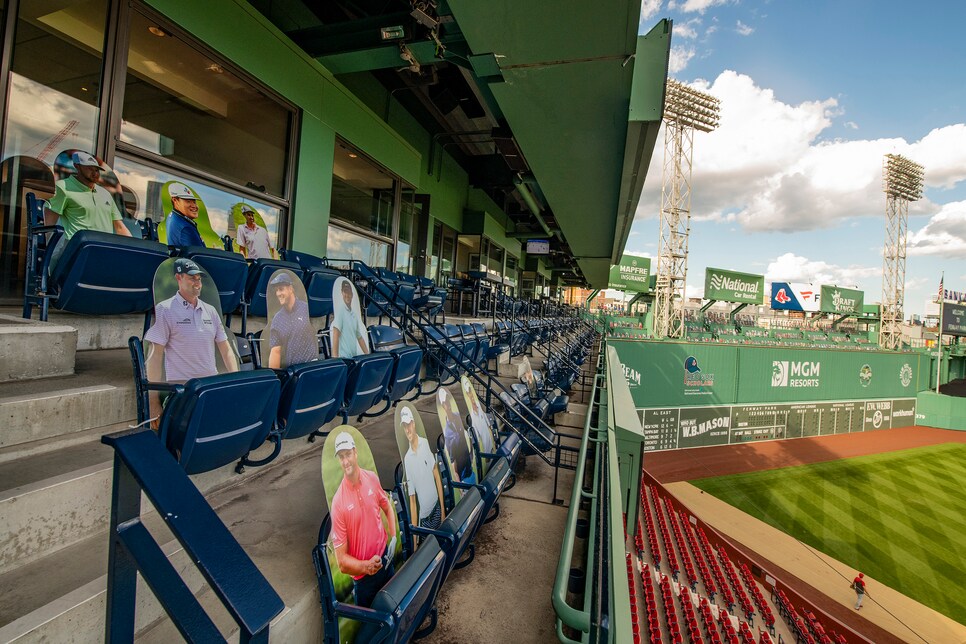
[{"x": 858, "y": 585}]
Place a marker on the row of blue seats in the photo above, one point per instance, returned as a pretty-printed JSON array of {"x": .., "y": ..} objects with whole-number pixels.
[
  {"x": 405, "y": 603},
  {"x": 292, "y": 403}
]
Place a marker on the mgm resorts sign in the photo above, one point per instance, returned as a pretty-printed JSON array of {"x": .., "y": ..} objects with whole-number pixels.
[{"x": 730, "y": 286}]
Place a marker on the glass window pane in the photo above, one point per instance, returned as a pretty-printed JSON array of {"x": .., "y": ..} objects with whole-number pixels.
[
  {"x": 362, "y": 192},
  {"x": 220, "y": 211},
  {"x": 53, "y": 92},
  {"x": 182, "y": 105},
  {"x": 55, "y": 78},
  {"x": 404, "y": 244},
  {"x": 345, "y": 245}
]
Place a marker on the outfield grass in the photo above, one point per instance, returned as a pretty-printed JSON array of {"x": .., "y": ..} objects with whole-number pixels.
[{"x": 899, "y": 517}]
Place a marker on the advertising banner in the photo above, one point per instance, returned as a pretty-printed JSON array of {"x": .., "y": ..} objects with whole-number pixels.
[
  {"x": 683, "y": 374},
  {"x": 844, "y": 301},
  {"x": 632, "y": 274},
  {"x": 954, "y": 319},
  {"x": 731, "y": 286},
  {"x": 794, "y": 296}
]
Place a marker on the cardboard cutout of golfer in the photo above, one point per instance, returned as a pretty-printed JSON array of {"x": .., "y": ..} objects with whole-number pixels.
[
  {"x": 362, "y": 542},
  {"x": 187, "y": 339},
  {"x": 291, "y": 338},
  {"x": 482, "y": 427},
  {"x": 459, "y": 448},
  {"x": 348, "y": 330},
  {"x": 421, "y": 480}
]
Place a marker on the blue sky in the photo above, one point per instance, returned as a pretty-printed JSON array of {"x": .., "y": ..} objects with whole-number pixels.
[{"x": 813, "y": 95}]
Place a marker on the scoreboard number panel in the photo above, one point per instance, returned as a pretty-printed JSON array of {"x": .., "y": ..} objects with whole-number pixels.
[{"x": 683, "y": 427}]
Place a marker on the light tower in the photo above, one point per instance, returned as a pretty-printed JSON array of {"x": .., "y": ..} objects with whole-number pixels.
[
  {"x": 902, "y": 183},
  {"x": 685, "y": 110}
]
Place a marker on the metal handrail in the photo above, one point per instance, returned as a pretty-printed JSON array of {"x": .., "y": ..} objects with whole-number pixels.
[{"x": 566, "y": 614}]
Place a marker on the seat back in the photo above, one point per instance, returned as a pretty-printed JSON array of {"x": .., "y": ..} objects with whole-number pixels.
[
  {"x": 367, "y": 382},
  {"x": 219, "y": 419},
  {"x": 228, "y": 270},
  {"x": 259, "y": 273},
  {"x": 409, "y": 596},
  {"x": 311, "y": 396},
  {"x": 306, "y": 260},
  {"x": 318, "y": 289},
  {"x": 106, "y": 274}
]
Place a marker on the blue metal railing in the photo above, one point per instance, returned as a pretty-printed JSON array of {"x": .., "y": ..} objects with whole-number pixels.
[{"x": 142, "y": 464}]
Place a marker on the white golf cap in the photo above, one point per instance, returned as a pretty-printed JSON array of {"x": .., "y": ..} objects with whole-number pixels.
[
  {"x": 442, "y": 395},
  {"x": 247, "y": 210},
  {"x": 406, "y": 415},
  {"x": 467, "y": 385},
  {"x": 180, "y": 191},
  {"x": 344, "y": 441},
  {"x": 83, "y": 158}
]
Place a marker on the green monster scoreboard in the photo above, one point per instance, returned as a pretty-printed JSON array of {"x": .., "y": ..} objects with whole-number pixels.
[{"x": 682, "y": 427}]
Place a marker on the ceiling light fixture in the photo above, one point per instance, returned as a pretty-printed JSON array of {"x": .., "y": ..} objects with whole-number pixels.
[{"x": 157, "y": 31}]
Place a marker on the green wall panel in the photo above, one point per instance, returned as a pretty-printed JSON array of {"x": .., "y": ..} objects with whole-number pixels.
[
  {"x": 784, "y": 375},
  {"x": 663, "y": 374},
  {"x": 659, "y": 377}
]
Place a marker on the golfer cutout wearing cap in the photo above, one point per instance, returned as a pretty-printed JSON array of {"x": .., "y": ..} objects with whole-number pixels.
[
  {"x": 421, "y": 474},
  {"x": 185, "y": 333},
  {"x": 251, "y": 238},
  {"x": 358, "y": 535},
  {"x": 181, "y": 225},
  {"x": 81, "y": 203},
  {"x": 291, "y": 337}
]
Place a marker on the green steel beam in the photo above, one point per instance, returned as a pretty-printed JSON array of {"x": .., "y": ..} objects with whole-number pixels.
[
  {"x": 707, "y": 306},
  {"x": 735, "y": 311}
]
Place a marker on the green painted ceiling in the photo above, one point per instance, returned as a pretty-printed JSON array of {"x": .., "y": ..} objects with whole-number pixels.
[{"x": 566, "y": 88}]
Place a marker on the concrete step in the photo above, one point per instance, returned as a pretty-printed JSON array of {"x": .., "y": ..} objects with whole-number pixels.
[
  {"x": 274, "y": 511},
  {"x": 93, "y": 332},
  {"x": 100, "y": 393},
  {"x": 32, "y": 349}
]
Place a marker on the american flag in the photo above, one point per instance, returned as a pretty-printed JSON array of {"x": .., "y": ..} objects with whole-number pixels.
[{"x": 942, "y": 291}]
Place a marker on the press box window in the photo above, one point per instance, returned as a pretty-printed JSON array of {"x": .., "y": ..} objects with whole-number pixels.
[{"x": 184, "y": 106}]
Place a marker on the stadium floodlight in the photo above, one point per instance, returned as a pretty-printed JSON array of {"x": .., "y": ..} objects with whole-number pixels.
[
  {"x": 685, "y": 110},
  {"x": 902, "y": 182}
]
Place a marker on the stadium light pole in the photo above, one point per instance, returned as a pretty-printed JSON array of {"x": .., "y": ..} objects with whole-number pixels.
[
  {"x": 902, "y": 183},
  {"x": 685, "y": 110}
]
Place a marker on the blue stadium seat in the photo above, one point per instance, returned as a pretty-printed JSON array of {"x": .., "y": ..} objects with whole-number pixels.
[
  {"x": 398, "y": 609},
  {"x": 367, "y": 383},
  {"x": 306, "y": 260},
  {"x": 525, "y": 423},
  {"x": 312, "y": 395},
  {"x": 97, "y": 273},
  {"x": 407, "y": 361},
  {"x": 455, "y": 534},
  {"x": 228, "y": 270},
  {"x": 496, "y": 480},
  {"x": 213, "y": 421}
]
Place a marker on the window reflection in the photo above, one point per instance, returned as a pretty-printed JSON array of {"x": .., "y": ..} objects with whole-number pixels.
[
  {"x": 180, "y": 104},
  {"x": 224, "y": 209},
  {"x": 53, "y": 92},
  {"x": 362, "y": 192},
  {"x": 344, "y": 245}
]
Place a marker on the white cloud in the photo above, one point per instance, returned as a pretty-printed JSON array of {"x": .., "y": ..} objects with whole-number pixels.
[
  {"x": 680, "y": 57},
  {"x": 687, "y": 29},
  {"x": 744, "y": 30},
  {"x": 852, "y": 125},
  {"x": 944, "y": 234},
  {"x": 699, "y": 6},
  {"x": 766, "y": 168},
  {"x": 649, "y": 9},
  {"x": 794, "y": 268}
]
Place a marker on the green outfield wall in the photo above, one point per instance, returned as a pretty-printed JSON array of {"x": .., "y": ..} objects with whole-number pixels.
[
  {"x": 938, "y": 410},
  {"x": 693, "y": 395}
]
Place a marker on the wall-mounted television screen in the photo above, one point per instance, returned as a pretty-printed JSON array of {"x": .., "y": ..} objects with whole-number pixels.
[{"x": 538, "y": 247}]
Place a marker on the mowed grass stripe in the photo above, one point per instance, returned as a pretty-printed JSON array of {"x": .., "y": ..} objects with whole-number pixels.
[{"x": 898, "y": 516}]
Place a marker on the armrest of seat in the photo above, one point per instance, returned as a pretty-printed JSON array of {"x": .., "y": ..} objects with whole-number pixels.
[
  {"x": 367, "y": 615},
  {"x": 469, "y": 486},
  {"x": 439, "y": 534}
]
